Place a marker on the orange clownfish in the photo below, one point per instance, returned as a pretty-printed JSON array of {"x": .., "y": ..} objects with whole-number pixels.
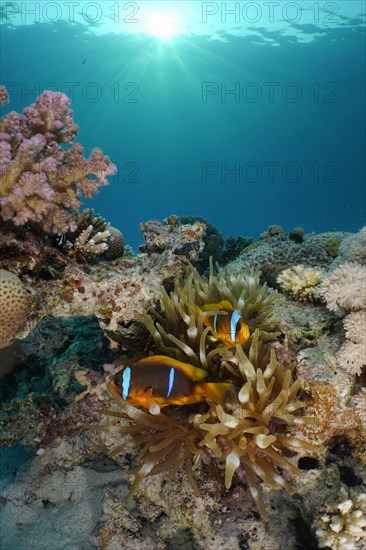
[
  {"x": 230, "y": 329},
  {"x": 165, "y": 381}
]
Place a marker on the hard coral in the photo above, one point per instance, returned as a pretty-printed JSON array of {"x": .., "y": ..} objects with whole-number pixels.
[
  {"x": 14, "y": 306},
  {"x": 116, "y": 245},
  {"x": 90, "y": 238},
  {"x": 343, "y": 523},
  {"x": 41, "y": 181},
  {"x": 301, "y": 283}
]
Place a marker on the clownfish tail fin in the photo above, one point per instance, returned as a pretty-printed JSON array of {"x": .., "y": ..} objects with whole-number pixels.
[{"x": 213, "y": 390}]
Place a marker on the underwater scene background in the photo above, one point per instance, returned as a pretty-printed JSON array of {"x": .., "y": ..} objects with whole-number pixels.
[
  {"x": 245, "y": 114},
  {"x": 182, "y": 275}
]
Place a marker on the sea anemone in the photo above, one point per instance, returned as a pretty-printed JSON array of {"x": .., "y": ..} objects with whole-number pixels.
[
  {"x": 177, "y": 325},
  {"x": 251, "y": 432}
]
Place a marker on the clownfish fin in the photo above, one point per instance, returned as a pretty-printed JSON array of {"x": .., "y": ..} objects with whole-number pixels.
[
  {"x": 194, "y": 373},
  {"x": 213, "y": 390},
  {"x": 223, "y": 305}
]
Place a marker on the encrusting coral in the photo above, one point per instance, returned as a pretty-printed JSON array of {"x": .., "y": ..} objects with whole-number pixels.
[
  {"x": 42, "y": 181},
  {"x": 249, "y": 432},
  {"x": 301, "y": 283}
]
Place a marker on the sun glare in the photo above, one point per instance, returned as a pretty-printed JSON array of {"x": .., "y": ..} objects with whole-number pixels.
[{"x": 162, "y": 25}]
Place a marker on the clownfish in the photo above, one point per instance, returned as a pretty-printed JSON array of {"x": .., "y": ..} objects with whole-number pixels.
[
  {"x": 230, "y": 329},
  {"x": 165, "y": 381}
]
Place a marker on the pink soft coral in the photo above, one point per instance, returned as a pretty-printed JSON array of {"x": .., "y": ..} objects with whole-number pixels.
[{"x": 41, "y": 181}]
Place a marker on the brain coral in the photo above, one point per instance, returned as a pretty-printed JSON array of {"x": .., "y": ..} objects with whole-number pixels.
[
  {"x": 301, "y": 283},
  {"x": 13, "y": 299}
]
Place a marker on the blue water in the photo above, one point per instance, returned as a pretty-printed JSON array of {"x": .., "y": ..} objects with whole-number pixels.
[{"x": 288, "y": 147}]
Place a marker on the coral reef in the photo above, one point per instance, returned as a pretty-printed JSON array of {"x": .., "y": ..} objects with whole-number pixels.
[
  {"x": 54, "y": 384},
  {"x": 41, "y": 380},
  {"x": 234, "y": 246},
  {"x": 332, "y": 247},
  {"x": 301, "y": 283},
  {"x": 213, "y": 242},
  {"x": 41, "y": 181},
  {"x": 182, "y": 240},
  {"x": 14, "y": 307},
  {"x": 276, "y": 251}
]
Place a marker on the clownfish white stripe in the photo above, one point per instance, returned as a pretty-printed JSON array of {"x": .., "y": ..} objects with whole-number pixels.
[
  {"x": 126, "y": 380},
  {"x": 215, "y": 324},
  {"x": 171, "y": 380},
  {"x": 235, "y": 318}
]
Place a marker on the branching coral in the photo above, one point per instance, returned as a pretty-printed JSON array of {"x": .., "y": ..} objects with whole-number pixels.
[
  {"x": 91, "y": 237},
  {"x": 301, "y": 283},
  {"x": 88, "y": 245},
  {"x": 41, "y": 181},
  {"x": 343, "y": 523}
]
